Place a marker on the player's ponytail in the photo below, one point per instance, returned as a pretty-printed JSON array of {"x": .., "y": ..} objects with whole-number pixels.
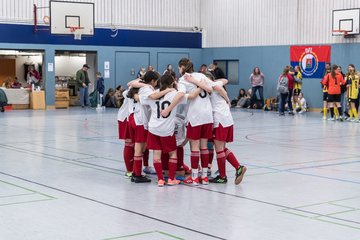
[
  {"x": 166, "y": 81},
  {"x": 187, "y": 64}
]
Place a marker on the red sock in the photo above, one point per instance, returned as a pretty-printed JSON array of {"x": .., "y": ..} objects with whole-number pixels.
[
  {"x": 195, "y": 156},
  {"x": 137, "y": 165},
  {"x": 211, "y": 156},
  {"x": 172, "y": 168},
  {"x": 180, "y": 157},
  {"x": 221, "y": 161},
  {"x": 231, "y": 158},
  {"x": 146, "y": 158},
  {"x": 128, "y": 155},
  {"x": 204, "y": 158},
  {"x": 158, "y": 168}
]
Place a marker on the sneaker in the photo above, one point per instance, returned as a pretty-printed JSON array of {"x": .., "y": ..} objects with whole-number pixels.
[
  {"x": 219, "y": 179},
  {"x": 180, "y": 178},
  {"x": 331, "y": 119},
  {"x": 149, "y": 170},
  {"x": 188, "y": 180},
  {"x": 302, "y": 111},
  {"x": 350, "y": 119},
  {"x": 341, "y": 119},
  {"x": 324, "y": 118},
  {"x": 205, "y": 181},
  {"x": 281, "y": 114},
  {"x": 239, "y": 175},
  {"x": 195, "y": 182},
  {"x": 161, "y": 183},
  {"x": 128, "y": 175},
  {"x": 291, "y": 113},
  {"x": 141, "y": 179},
  {"x": 173, "y": 182}
]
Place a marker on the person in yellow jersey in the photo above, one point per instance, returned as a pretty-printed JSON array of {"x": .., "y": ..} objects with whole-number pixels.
[
  {"x": 352, "y": 81},
  {"x": 325, "y": 91},
  {"x": 297, "y": 86}
]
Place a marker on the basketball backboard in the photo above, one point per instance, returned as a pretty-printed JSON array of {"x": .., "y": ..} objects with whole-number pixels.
[
  {"x": 346, "y": 22},
  {"x": 67, "y": 16}
]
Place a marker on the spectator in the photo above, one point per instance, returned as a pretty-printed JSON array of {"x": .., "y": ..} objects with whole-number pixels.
[
  {"x": 16, "y": 83},
  {"x": 110, "y": 98},
  {"x": 257, "y": 83},
  {"x": 169, "y": 68},
  {"x": 301, "y": 105},
  {"x": 141, "y": 73},
  {"x": 203, "y": 68},
  {"x": 217, "y": 72},
  {"x": 33, "y": 76},
  {"x": 150, "y": 68},
  {"x": 242, "y": 100},
  {"x": 3, "y": 100},
  {"x": 100, "y": 87},
  {"x": 291, "y": 80},
  {"x": 283, "y": 89},
  {"x": 119, "y": 98},
  {"x": 82, "y": 78},
  {"x": 7, "y": 83}
]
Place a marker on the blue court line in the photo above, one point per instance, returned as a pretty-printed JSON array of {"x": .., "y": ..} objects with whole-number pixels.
[{"x": 324, "y": 165}]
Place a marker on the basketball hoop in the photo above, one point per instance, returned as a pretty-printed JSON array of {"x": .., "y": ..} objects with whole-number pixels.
[
  {"x": 77, "y": 35},
  {"x": 343, "y": 33}
]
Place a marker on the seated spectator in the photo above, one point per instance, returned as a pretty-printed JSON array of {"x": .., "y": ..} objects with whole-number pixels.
[
  {"x": 16, "y": 83},
  {"x": 119, "y": 98},
  {"x": 242, "y": 100},
  {"x": 141, "y": 73},
  {"x": 110, "y": 98},
  {"x": 301, "y": 105},
  {"x": 7, "y": 83},
  {"x": 257, "y": 104}
]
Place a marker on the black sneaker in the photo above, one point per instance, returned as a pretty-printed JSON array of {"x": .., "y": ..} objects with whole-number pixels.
[
  {"x": 239, "y": 175},
  {"x": 291, "y": 113},
  {"x": 141, "y": 179},
  {"x": 218, "y": 179}
]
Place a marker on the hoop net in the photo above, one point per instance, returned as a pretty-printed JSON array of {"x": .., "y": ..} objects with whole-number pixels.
[{"x": 77, "y": 34}]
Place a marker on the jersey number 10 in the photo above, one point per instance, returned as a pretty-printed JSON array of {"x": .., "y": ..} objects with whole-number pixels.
[{"x": 164, "y": 105}]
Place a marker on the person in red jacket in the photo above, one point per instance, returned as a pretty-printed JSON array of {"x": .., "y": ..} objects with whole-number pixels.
[{"x": 334, "y": 80}]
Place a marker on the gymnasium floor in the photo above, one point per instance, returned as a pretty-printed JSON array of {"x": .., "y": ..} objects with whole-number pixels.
[{"x": 61, "y": 177}]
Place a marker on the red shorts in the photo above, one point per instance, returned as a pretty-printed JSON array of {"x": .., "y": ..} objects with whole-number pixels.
[
  {"x": 136, "y": 133},
  {"x": 224, "y": 134},
  {"x": 123, "y": 132},
  {"x": 165, "y": 144},
  {"x": 199, "y": 132},
  {"x": 180, "y": 160}
]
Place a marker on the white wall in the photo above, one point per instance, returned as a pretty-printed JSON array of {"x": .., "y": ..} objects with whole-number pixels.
[
  {"x": 161, "y": 14},
  {"x": 68, "y": 65},
  {"x": 233, "y": 23}
]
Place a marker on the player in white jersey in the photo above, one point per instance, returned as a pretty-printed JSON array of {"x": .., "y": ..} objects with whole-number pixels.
[
  {"x": 161, "y": 137},
  {"x": 199, "y": 119},
  {"x": 138, "y": 121},
  {"x": 128, "y": 152},
  {"x": 223, "y": 133}
]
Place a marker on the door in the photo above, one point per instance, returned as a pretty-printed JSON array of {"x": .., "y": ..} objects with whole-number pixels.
[{"x": 128, "y": 65}]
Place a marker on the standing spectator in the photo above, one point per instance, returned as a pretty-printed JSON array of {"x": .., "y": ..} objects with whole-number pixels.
[
  {"x": 291, "y": 80},
  {"x": 217, "y": 72},
  {"x": 150, "y": 68},
  {"x": 325, "y": 91},
  {"x": 100, "y": 87},
  {"x": 283, "y": 89},
  {"x": 82, "y": 78},
  {"x": 169, "y": 68},
  {"x": 297, "y": 84},
  {"x": 257, "y": 84},
  {"x": 33, "y": 76},
  {"x": 203, "y": 68},
  {"x": 334, "y": 80},
  {"x": 16, "y": 83},
  {"x": 141, "y": 73}
]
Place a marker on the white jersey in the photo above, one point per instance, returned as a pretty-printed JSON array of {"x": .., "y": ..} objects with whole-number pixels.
[
  {"x": 142, "y": 112},
  {"x": 199, "y": 110},
  {"x": 221, "y": 109},
  {"x": 158, "y": 125},
  {"x": 123, "y": 112}
]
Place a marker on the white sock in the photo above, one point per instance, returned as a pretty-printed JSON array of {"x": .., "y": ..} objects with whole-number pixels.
[
  {"x": 204, "y": 174},
  {"x": 194, "y": 173}
]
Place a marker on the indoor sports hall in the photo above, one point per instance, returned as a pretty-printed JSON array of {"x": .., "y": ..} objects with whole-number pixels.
[{"x": 279, "y": 159}]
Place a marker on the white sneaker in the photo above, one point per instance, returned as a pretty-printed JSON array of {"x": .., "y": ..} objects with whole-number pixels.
[
  {"x": 331, "y": 119},
  {"x": 324, "y": 118}
]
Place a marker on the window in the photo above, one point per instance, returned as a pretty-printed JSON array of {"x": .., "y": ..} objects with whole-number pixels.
[{"x": 230, "y": 69}]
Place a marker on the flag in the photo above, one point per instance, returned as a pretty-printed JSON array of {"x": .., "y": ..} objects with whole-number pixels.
[{"x": 311, "y": 59}]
